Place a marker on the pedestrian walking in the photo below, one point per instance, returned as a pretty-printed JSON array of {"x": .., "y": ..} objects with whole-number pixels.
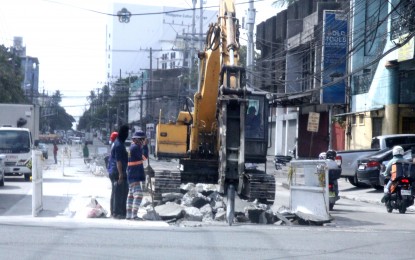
[
  {"x": 112, "y": 168},
  {"x": 120, "y": 156},
  {"x": 55, "y": 152},
  {"x": 85, "y": 153},
  {"x": 135, "y": 174}
]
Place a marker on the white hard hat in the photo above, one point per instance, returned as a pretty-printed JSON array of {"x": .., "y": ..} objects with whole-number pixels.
[{"x": 397, "y": 150}]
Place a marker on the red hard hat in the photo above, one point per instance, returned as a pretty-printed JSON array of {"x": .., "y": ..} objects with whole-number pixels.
[{"x": 113, "y": 136}]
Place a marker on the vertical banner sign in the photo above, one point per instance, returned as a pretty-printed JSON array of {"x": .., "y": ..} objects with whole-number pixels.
[
  {"x": 150, "y": 132},
  {"x": 313, "y": 121},
  {"x": 334, "y": 57}
]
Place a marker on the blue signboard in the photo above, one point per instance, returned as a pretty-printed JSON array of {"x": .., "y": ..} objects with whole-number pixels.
[{"x": 334, "y": 57}]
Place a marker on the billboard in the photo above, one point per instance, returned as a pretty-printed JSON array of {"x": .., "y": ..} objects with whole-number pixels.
[
  {"x": 406, "y": 52},
  {"x": 334, "y": 57}
]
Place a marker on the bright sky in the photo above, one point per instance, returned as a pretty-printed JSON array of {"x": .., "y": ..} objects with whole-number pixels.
[{"x": 70, "y": 41}]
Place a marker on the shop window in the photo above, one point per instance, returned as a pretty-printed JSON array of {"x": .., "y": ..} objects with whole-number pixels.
[
  {"x": 377, "y": 126},
  {"x": 353, "y": 118},
  {"x": 361, "y": 119}
]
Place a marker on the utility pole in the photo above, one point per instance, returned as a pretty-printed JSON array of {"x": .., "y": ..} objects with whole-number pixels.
[
  {"x": 192, "y": 45},
  {"x": 201, "y": 27},
  {"x": 250, "y": 46},
  {"x": 151, "y": 77},
  {"x": 200, "y": 43},
  {"x": 141, "y": 100}
]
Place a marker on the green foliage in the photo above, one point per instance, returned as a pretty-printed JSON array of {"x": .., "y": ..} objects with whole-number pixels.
[
  {"x": 11, "y": 77},
  {"x": 58, "y": 118},
  {"x": 242, "y": 56},
  {"x": 103, "y": 106}
]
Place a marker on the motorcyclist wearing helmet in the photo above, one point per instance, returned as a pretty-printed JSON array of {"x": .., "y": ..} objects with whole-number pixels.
[
  {"x": 331, "y": 155},
  {"x": 397, "y": 152}
]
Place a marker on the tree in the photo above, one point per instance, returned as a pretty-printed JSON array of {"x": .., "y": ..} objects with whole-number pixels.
[
  {"x": 11, "y": 77},
  {"x": 60, "y": 119},
  {"x": 103, "y": 107},
  {"x": 242, "y": 55}
]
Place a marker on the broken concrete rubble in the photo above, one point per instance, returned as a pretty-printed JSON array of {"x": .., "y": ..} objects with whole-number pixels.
[
  {"x": 207, "y": 212},
  {"x": 192, "y": 214},
  {"x": 203, "y": 203},
  {"x": 220, "y": 215},
  {"x": 170, "y": 211},
  {"x": 172, "y": 197}
]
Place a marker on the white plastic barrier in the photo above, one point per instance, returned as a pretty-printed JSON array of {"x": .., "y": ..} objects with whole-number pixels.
[
  {"x": 308, "y": 192},
  {"x": 37, "y": 183}
]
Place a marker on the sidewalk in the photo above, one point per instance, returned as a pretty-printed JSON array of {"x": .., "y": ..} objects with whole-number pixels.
[
  {"x": 66, "y": 193},
  {"x": 68, "y": 190}
]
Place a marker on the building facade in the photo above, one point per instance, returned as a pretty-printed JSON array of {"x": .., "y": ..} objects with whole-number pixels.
[
  {"x": 382, "y": 71},
  {"x": 351, "y": 62},
  {"x": 294, "y": 66},
  {"x": 154, "y": 43},
  {"x": 30, "y": 70}
]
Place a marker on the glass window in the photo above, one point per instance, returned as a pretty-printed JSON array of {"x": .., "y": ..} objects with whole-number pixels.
[
  {"x": 14, "y": 142},
  {"x": 254, "y": 123}
]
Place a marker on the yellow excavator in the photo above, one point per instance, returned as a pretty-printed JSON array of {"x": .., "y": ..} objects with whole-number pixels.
[{"x": 226, "y": 131}]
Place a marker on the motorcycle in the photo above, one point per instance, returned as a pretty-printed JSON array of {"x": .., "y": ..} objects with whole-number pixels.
[
  {"x": 402, "y": 189},
  {"x": 334, "y": 162},
  {"x": 281, "y": 160}
]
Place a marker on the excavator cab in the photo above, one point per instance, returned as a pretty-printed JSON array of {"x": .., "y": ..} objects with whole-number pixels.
[{"x": 256, "y": 128}]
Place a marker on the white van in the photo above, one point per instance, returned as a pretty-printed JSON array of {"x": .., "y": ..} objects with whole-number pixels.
[{"x": 16, "y": 145}]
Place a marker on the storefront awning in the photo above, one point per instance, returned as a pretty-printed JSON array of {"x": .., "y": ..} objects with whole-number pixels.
[
  {"x": 288, "y": 100},
  {"x": 359, "y": 112}
]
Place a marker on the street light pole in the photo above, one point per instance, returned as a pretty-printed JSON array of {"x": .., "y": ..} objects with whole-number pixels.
[{"x": 32, "y": 88}]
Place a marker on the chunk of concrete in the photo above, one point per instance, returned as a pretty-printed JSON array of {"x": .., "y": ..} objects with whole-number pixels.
[
  {"x": 220, "y": 215},
  {"x": 199, "y": 202},
  {"x": 241, "y": 218},
  {"x": 170, "y": 211},
  {"x": 151, "y": 215},
  {"x": 207, "y": 212},
  {"x": 255, "y": 215},
  {"x": 187, "y": 187},
  {"x": 172, "y": 197},
  {"x": 192, "y": 214}
]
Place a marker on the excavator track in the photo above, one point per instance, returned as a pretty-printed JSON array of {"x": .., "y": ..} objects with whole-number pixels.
[
  {"x": 259, "y": 185},
  {"x": 166, "y": 181}
]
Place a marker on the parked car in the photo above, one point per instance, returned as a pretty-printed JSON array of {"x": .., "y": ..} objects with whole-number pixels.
[
  {"x": 44, "y": 148},
  {"x": 379, "y": 143},
  {"x": 368, "y": 168},
  {"x": 389, "y": 141}
]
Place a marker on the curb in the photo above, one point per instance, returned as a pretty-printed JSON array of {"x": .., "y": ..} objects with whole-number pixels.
[{"x": 64, "y": 222}]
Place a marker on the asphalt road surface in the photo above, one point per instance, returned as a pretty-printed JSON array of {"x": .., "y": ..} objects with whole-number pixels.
[{"x": 361, "y": 229}]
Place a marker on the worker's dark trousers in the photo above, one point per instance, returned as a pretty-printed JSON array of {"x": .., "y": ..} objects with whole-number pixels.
[{"x": 119, "y": 198}]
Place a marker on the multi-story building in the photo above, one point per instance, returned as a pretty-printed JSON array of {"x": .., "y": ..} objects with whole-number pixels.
[
  {"x": 351, "y": 62},
  {"x": 145, "y": 39},
  {"x": 30, "y": 70},
  {"x": 303, "y": 62},
  {"x": 382, "y": 71}
]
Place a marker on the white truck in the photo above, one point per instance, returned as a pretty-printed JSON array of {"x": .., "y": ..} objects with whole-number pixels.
[{"x": 19, "y": 134}]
